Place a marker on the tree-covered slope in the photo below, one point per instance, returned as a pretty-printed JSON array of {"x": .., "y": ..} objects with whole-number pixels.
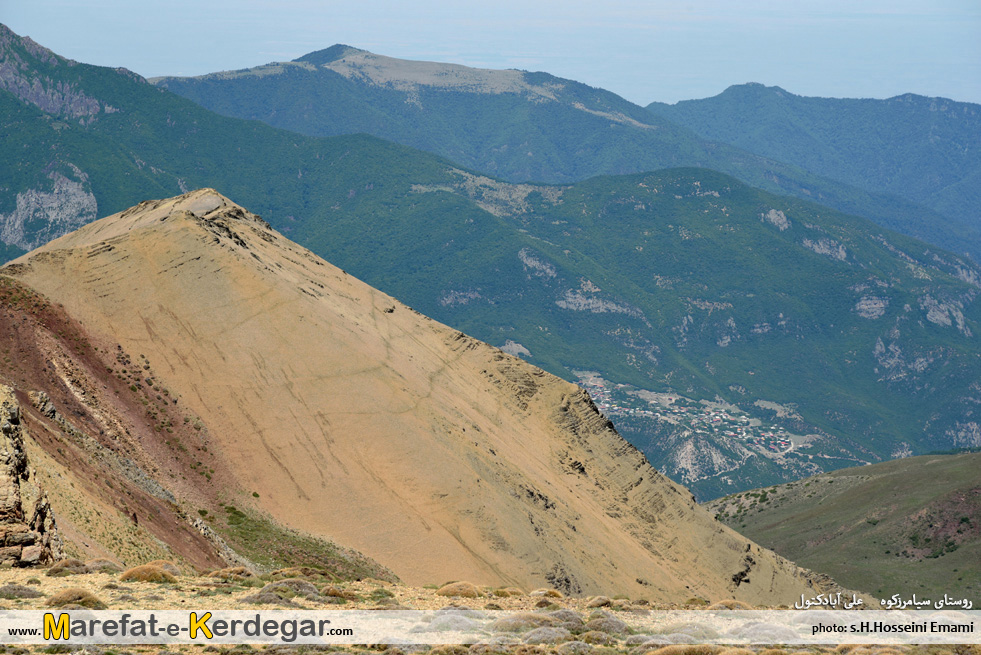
[
  {"x": 687, "y": 280},
  {"x": 81, "y": 141},
  {"x": 918, "y": 148},
  {"x": 520, "y": 126}
]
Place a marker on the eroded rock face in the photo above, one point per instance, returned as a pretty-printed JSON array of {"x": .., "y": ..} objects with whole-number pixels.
[
  {"x": 28, "y": 535},
  {"x": 50, "y": 210}
]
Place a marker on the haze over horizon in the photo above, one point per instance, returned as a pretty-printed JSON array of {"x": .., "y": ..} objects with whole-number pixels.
[{"x": 644, "y": 51}]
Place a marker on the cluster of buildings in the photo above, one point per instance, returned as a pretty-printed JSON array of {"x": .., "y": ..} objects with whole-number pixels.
[{"x": 619, "y": 401}]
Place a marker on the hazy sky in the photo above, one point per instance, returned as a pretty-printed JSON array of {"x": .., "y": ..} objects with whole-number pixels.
[{"x": 644, "y": 50}]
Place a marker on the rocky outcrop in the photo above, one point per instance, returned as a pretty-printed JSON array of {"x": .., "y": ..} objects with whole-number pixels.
[
  {"x": 46, "y": 212},
  {"x": 28, "y": 535},
  {"x": 49, "y": 95}
]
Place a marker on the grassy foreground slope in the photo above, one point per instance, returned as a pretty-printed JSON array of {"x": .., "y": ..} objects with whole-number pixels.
[{"x": 901, "y": 527}]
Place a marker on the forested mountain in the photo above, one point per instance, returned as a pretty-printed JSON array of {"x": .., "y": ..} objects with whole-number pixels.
[
  {"x": 925, "y": 150},
  {"x": 522, "y": 126}
]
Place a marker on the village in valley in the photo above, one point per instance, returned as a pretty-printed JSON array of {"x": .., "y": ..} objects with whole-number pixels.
[{"x": 622, "y": 401}]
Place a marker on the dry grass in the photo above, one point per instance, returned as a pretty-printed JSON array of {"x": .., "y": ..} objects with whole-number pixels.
[
  {"x": 333, "y": 591},
  {"x": 523, "y": 621},
  {"x": 452, "y": 649},
  {"x": 147, "y": 573},
  {"x": 11, "y": 591},
  {"x": 232, "y": 573},
  {"x": 687, "y": 649},
  {"x": 166, "y": 565},
  {"x": 67, "y": 567},
  {"x": 76, "y": 596},
  {"x": 596, "y": 637},
  {"x": 461, "y": 589},
  {"x": 548, "y": 593},
  {"x": 290, "y": 588},
  {"x": 103, "y": 564},
  {"x": 61, "y": 593}
]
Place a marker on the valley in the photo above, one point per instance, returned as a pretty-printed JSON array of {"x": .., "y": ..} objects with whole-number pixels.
[{"x": 709, "y": 447}]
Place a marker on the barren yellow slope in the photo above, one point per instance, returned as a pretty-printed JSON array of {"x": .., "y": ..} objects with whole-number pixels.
[{"x": 354, "y": 417}]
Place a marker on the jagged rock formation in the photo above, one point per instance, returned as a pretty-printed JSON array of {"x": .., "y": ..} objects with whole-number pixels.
[
  {"x": 53, "y": 96},
  {"x": 337, "y": 411},
  {"x": 28, "y": 534}
]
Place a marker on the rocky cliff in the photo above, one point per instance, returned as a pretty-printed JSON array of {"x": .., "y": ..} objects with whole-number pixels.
[{"x": 28, "y": 534}]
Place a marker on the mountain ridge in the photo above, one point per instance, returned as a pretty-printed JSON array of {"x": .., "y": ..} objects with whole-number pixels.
[
  {"x": 914, "y": 146},
  {"x": 327, "y": 55},
  {"x": 556, "y": 130}
]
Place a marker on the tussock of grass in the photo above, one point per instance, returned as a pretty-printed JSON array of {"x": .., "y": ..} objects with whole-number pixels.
[
  {"x": 523, "y": 621},
  {"x": 67, "y": 567},
  {"x": 687, "y": 649},
  {"x": 291, "y": 588},
  {"x": 147, "y": 573},
  {"x": 268, "y": 598},
  {"x": 333, "y": 591},
  {"x": 232, "y": 573},
  {"x": 104, "y": 565},
  {"x": 460, "y": 589},
  {"x": 449, "y": 649},
  {"x": 597, "y": 637},
  {"x": 76, "y": 596},
  {"x": 548, "y": 593},
  {"x": 378, "y": 595},
  {"x": 12, "y": 591},
  {"x": 167, "y": 566}
]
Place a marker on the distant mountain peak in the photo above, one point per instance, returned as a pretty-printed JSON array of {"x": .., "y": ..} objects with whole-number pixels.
[
  {"x": 9, "y": 38},
  {"x": 329, "y": 55},
  {"x": 756, "y": 88}
]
